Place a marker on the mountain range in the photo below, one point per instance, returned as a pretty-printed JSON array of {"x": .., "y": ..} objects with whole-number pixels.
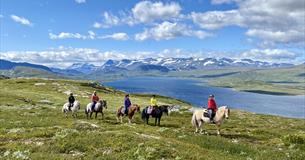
[
  {"x": 174, "y": 64},
  {"x": 148, "y": 64}
]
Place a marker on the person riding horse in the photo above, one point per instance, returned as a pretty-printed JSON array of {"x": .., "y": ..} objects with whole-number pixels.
[
  {"x": 153, "y": 104},
  {"x": 212, "y": 107},
  {"x": 94, "y": 99},
  {"x": 71, "y": 101},
  {"x": 127, "y": 103}
]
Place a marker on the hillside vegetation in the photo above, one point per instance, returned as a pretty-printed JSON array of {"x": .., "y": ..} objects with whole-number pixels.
[
  {"x": 33, "y": 127},
  {"x": 290, "y": 81}
]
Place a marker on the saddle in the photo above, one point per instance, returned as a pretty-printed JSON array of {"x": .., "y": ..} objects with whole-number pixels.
[
  {"x": 208, "y": 115},
  {"x": 151, "y": 110},
  {"x": 70, "y": 106},
  {"x": 123, "y": 110}
]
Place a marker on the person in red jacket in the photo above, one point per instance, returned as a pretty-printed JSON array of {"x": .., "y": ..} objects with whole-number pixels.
[
  {"x": 212, "y": 107},
  {"x": 94, "y": 99}
]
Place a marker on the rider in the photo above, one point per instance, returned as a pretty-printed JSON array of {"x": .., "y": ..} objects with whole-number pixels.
[
  {"x": 212, "y": 107},
  {"x": 127, "y": 103},
  {"x": 71, "y": 100},
  {"x": 153, "y": 104},
  {"x": 94, "y": 99}
]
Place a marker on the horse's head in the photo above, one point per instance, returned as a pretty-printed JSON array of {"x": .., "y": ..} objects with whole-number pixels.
[
  {"x": 227, "y": 112},
  {"x": 165, "y": 108},
  {"x": 138, "y": 108},
  {"x": 103, "y": 103}
]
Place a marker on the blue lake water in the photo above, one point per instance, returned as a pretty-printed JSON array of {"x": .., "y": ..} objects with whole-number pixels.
[{"x": 191, "y": 91}]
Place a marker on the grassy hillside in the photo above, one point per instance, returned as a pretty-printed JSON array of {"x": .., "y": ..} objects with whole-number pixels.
[
  {"x": 29, "y": 72},
  {"x": 33, "y": 127},
  {"x": 271, "y": 81}
]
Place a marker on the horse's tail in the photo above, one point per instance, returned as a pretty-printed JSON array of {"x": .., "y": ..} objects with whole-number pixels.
[
  {"x": 63, "y": 108},
  {"x": 86, "y": 111},
  {"x": 194, "y": 120},
  {"x": 143, "y": 115}
]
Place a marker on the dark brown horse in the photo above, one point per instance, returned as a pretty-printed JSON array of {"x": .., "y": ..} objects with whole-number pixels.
[
  {"x": 131, "y": 112},
  {"x": 156, "y": 113}
]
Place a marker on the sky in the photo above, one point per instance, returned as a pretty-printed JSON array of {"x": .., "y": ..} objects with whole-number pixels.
[{"x": 62, "y": 32}]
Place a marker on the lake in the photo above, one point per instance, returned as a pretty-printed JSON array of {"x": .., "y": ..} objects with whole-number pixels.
[{"x": 197, "y": 94}]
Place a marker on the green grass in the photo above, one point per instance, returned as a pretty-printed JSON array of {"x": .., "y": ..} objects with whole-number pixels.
[
  {"x": 32, "y": 126},
  {"x": 269, "y": 81}
]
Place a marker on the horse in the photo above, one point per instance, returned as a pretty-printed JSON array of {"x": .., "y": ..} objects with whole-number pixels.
[
  {"x": 131, "y": 111},
  {"x": 200, "y": 117},
  {"x": 99, "y": 107},
  {"x": 74, "y": 109},
  {"x": 156, "y": 113}
]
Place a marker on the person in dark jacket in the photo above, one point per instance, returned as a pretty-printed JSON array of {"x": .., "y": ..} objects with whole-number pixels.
[
  {"x": 127, "y": 103},
  {"x": 212, "y": 107},
  {"x": 71, "y": 100}
]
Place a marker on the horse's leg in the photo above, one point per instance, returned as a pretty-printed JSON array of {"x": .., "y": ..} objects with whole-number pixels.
[
  {"x": 129, "y": 120},
  {"x": 218, "y": 129},
  {"x": 159, "y": 119},
  {"x": 66, "y": 115},
  {"x": 147, "y": 118},
  {"x": 102, "y": 115},
  {"x": 121, "y": 119},
  {"x": 91, "y": 115},
  {"x": 155, "y": 121},
  {"x": 200, "y": 127},
  {"x": 96, "y": 115}
]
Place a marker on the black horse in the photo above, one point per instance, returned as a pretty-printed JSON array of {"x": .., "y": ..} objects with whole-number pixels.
[{"x": 156, "y": 113}]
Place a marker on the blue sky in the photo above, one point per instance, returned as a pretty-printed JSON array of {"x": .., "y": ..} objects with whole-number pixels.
[{"x": 44, "y": 29}]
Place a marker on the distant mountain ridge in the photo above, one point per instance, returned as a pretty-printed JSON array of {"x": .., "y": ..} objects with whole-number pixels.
[
  {"x": 148, "y": 64},
  {"x": 7, "y": 65},
  {"x": 179, "y": 64},
  {"x": 82, "y": 67}
]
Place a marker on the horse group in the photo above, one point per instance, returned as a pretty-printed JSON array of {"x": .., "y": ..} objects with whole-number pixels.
[
  {"x": 198, "y": 119},
  {"x": 120, "y": 113}
]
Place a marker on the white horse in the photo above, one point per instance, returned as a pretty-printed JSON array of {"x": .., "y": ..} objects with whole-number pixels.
[
  {"x": 99, "y": 107},
  {"x": 74, "y": 109},
  {"x": 200, "y": 117}
]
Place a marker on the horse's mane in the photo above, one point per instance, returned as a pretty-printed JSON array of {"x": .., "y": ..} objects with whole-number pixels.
[{"x": 221, "y": 110}]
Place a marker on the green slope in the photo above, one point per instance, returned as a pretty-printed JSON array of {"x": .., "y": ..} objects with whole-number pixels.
[
  {"x": 29, "y": 72},
  {"x": 32, "y": 126},
  {"x": 270, "y": 81}
]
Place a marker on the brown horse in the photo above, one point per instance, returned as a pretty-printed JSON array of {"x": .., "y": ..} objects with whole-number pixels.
[{"x": 131, "y": 111}]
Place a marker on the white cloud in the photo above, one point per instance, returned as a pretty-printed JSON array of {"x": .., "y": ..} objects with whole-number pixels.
[
  {"x": 110, "y": 19},
  {"x": 116, "y": 36},
  {"x": 272, "y": 20},
  {"x": 21, "y": 20},
  {"x": 97, "y": 25},
  {"x": 80, "y": 1},
  {"x": 288, "y": 36},
  {"x": 146, "y": 11},
  {"x": 62, "y": 56},
  {"x": 217, "y": 19},
  {"x": 143, "y": 12},
  {"x": 67, "y": 35},
  {"x": 168, "y": 30},
  {"x": 91, "y": 35},
  {"x": 224, "y": 1},
  {"x": 270, "y": 54}
]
